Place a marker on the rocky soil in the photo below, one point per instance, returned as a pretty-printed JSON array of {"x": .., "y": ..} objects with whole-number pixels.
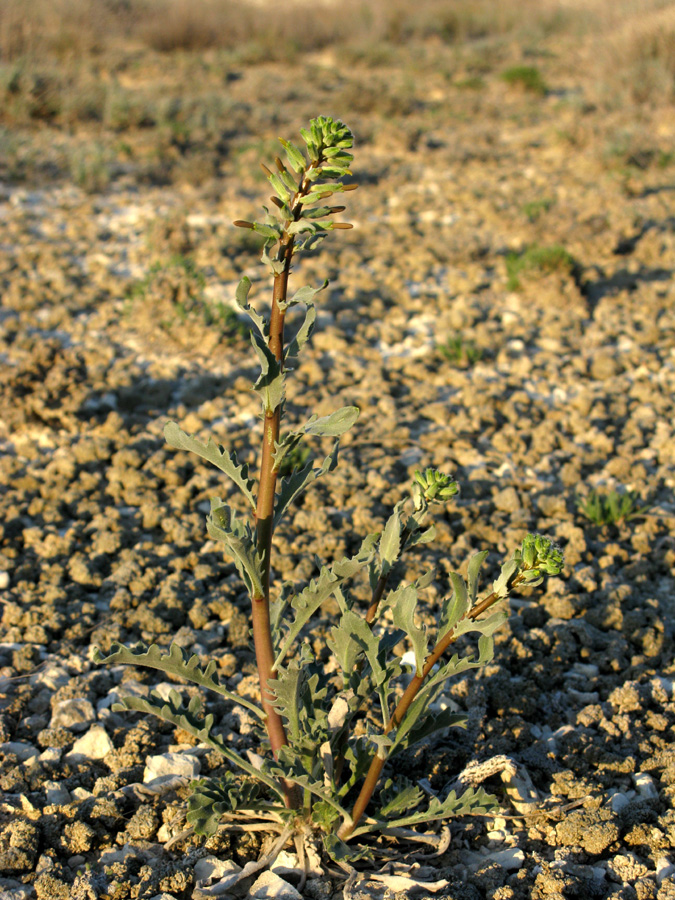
[{"x": 558, "y": 378}]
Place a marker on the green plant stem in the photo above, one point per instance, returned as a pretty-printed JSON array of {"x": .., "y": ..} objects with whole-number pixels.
[{"x": 377, "y": 764}]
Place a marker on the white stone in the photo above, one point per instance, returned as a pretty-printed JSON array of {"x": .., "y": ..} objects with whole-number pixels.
[
  {"x": 4, "y": 581},
  {"x": 95, "y": 744},
  {"x": 51, "y": 755},
  {"x": 75, "y": 714},
  {"x": 645, "y": 787},
  {"x": 184, "y": 764},
  {"x": 664, "y": 869},
  {"x": 56, "y": 794},
  {"x": 618, "y": 800},
  {"x": 511, "y": 859},
  {"x": 210, "y": 869},
  {"x": 271, "y": 887}
]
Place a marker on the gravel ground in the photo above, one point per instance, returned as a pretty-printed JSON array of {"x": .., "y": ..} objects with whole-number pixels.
[{"x": 563, "y": 381}]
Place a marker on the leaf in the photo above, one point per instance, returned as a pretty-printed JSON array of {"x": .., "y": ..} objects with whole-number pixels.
[
  {"x": 222, "y": 524},
  {"x": 472, "y": 802},
  {"x": 420, "y": 537},
  {"x": 486, "y": 627},
  {"x": 429, "y": 724},
  {"x": 345, "y": 853},
  {"x": 306, "y": 603},
  {"x": 226, "y": 462},
  {"x": 404, "y": 617},
  {"x": 177, "y": 662},
  {"x": 174, "y": 710},
  {"x": 241, "y": 296},
  {"x": 454, "y": 607},
  {"x": 398, "y": 796},
  {"x": 288, "y": 688},
  {"x": 501, "y": 586},
  {"x": 270, "y": 384},
  {"x": 335, "y": 424},
  {"x": 302, "y": 336},
  {"x": 351, "y": 637},
  {"x": 276, "y": 266},
  {"x": 475, "y": 564},
  {"x": 212, "y": 798},
  {"x": 294, "y": 484},
  {"x": 390, "y": 542}
]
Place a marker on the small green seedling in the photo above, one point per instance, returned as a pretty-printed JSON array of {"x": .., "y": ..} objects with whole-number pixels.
[
  {"x": 329, "y": 724},
  {"x": 553, "y": 258},
  {"x": 611, "y": 508},
  {"x": 527, "y": 77},
  {"x": 460, "y": 352}
]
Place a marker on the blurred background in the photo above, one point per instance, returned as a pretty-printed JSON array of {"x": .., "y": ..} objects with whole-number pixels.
[{"x": 94, "y": 91}]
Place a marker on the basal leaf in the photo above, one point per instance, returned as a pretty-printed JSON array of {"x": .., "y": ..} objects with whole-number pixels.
[
  {"x": 226, "y": 462},
  {"x": 175, "y": 661},
  {"x": 174, "y": 711}
]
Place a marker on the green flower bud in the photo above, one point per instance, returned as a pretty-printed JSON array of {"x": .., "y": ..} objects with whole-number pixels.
[
  {"x": 433, "y": 486},
  {"x": 540, "y": 554}
]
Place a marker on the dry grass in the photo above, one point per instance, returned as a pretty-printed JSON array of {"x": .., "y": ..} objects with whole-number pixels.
[{"x": 76, "y": 27}]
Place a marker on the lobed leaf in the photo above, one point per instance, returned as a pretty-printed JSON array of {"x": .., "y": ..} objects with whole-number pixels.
[
  {"x": 306, "y": 603},
  {"x": 174, "y": 710},
  {"x": 175, "y": 661},
  {"x": 226, "y": 461},
  {"x": 294, "y": 484}
]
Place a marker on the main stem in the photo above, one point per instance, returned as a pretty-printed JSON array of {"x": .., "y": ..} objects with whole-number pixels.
[
  {"x": 262, "y": 634},
  {"x": 377, "y": 764}
]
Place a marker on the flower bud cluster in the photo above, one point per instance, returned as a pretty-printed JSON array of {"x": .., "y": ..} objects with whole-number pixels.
[
  {"x": 433, "y": 486},
  {"x": 539, "y": 556}
]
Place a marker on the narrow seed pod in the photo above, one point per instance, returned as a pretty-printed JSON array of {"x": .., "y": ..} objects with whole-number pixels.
[
  {"x": 241, "y": 224},
  {"x": 349, "y": 187},
  {"x": 266, "y": 170},
  {"x": 342, "y": 226},
  {"x": 277, "y": 202},
  {"x": 336, "y": 209},
  {"x": 280, "y": 166}
]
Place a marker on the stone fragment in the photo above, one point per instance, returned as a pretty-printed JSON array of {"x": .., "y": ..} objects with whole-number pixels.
[
  {"x": 271, "y": 887},
  {"x": 75, "y": 714},
  {"x": 20, "y": 749},
  {"x": 95, "y": 744},
  {"x": 185, "y": 765}
]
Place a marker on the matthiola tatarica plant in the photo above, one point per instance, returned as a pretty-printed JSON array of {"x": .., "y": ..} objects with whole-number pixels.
[{"x": 327, "y": 732}]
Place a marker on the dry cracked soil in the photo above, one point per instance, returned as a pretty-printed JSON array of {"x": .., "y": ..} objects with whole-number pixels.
[{"x": 503, "y": 309}]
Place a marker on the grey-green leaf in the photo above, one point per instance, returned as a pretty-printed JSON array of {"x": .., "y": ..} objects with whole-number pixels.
[
  {"x": 295, "y": 483},
  {"x": 404, "y": 618},
  {"x": 308, "y": 601},
  {"x": 175, "y": 661},
  {"x": 390, "y": 542},
  {"x": 226, "y": 462},
  {"x": 223, "y": 525}
]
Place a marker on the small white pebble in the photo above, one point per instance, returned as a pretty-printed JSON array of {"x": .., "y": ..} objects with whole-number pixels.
[
  {"x": 271, "y": 887},
  {"x": 4, "y": 581},
  {"x": 184, "y": 764},
  {"x": 619, "y": 800},
  {"x": 644, "y": 784},
  {"x": 511, "y": 859},
  {"x": 664, "y": 869}
]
